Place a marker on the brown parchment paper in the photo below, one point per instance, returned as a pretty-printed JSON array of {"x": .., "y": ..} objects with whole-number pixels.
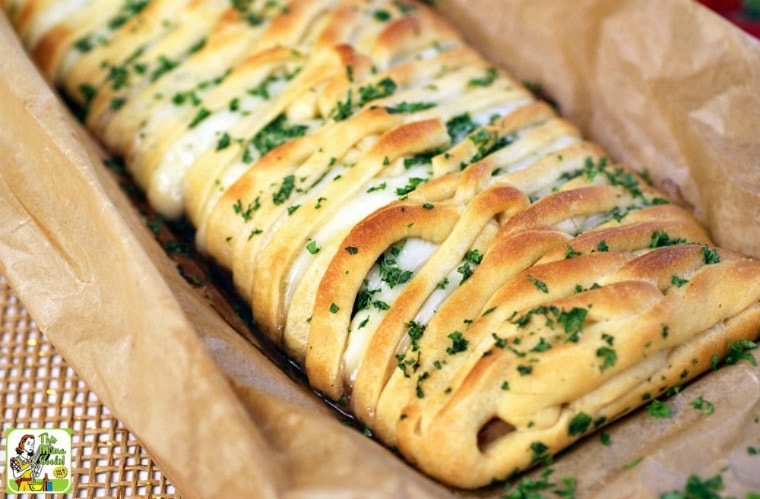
[{"x": 666, "y": 86}]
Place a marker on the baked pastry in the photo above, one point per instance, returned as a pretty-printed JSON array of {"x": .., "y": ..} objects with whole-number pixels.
[{"x": 441, "y": 252}]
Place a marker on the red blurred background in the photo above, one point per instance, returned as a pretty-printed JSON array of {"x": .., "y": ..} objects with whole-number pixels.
[{"x": 743, "y": 13}]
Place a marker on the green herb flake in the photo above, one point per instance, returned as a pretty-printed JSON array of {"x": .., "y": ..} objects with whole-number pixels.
[
  {"x": 710, "y": 255},
  {"x": 201, "y": 115},
  {"x": 486, "y": 80},
  {"x": 658, "y": 409},
  {"x": 703, "y": 405},
  {"x": 285, "y": 190},
  {"x": 381, "y": 15},
  {"x": 117, "y": 103},
  {"x": 579, "y": 424},
  {"x": 524, "y": 370},
  {"x": 334, "y": 308},
  {"x": 410, "y": 107},
  {"x": 540, "y": 285},
  {"x": 381, "y": 89},
  {"x": 223, "y": 142},
  {"x": 604, "y": 438},
  {"x": 460, "y": 127},
  {"x": 661, "y": 239},
  {"x": 538, "y": 449},
  {"x": 740, "y": 351},
  {"x": 528, "y": 488},
  {"x": 609, "y": 355},
  {"x": 164, "y": 66},
  {"x": 697, "y": 488},
  {"x": 633, "y": 463},
  {"x": 312, "y": 247},
  {"x": 677, "y": 281},
  {"x": 570, "y": 252},
  {"x": 277, "y": 133},
  {"x": 459, "y": 343}
]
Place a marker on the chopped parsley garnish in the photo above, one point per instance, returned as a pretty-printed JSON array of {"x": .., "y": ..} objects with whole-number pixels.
[
  {"x": 527, "y": 488},
  {"x": 697, "y": 488},
  {"x": 334, "y": 308},
  {"x": 677, "y": 281},
  {"x": 740, "y": 351},
  {"x": 246, "y": 213},
  {"x": 541, "y": 346},
  {"x": 201, "y": 115},
  {"x": 380, "y": 305},
  {"x": 658, "y": 409},
  {"x": 415, "y": 330},
  {"x": 711, "y": 256},
  {"x": 570, "y": 252},
  {"x": 459, "y": 343},
  {"x": 130, "y": 9},
  {"x": 604, "y": 438},
  {"x": 88, "y": 92},
  {"x": 383, "y": 88},
  {"x": 277, "y": 133},
  {"x": 410, "y": 107},
  {"x": 579, "y": 424},
  {"x": 381, "y": 15},
  {"x": 422, "y": 377},
  {"x": 197, "y": 46},
  {"x": 379, "y": 187},
  {"x": 223, "y": 142},
  {"x": 285, "y": 190},
  {"x": 117, "y": 103},
  {"x": 312, "y": 247},
  {"x": 662, "y": 239},
  {"x": 164, "y": 66},
  {"x": 486, "y": 80},
  {"x": 500, "y": 342},
  {"x": 703, "y": 405},
  {"x": 343, "y": 110},
  {"x": 524, "y": 370},
  {"x": 540, "y": 285},
  {"x": 459, "y": 127},
  {"x": 538, "y": 449},
  {"x": 572, "y": 321},
  {"x": 466, "y": 270},
  {"x": 473, "y": 256},
  {"x": 609, "y": 357},
  {"x": 391, "y": 273},
  {"x": 420, "y": 159},
  {"x": 412, "y": 184}
]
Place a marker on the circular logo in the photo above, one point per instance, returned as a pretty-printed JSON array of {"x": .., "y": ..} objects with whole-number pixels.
[{"x": 60, "y": 472}]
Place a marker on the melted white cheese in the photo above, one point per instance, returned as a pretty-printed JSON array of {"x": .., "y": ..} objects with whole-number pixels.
[{"x": 413, "y": 257}]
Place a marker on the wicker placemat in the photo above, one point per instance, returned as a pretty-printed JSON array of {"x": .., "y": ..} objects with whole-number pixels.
[{"x": 39, "y": 390}]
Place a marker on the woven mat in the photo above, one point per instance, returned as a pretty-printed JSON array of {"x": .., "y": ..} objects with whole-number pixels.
[{"x": 39, "y": 390}]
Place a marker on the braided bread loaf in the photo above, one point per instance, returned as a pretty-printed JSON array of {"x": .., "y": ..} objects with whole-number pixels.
[{"x": 439, "y": 250}]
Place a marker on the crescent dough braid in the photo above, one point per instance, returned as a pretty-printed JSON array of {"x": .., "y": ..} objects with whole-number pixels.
[{"x": 442, "y": 253}]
